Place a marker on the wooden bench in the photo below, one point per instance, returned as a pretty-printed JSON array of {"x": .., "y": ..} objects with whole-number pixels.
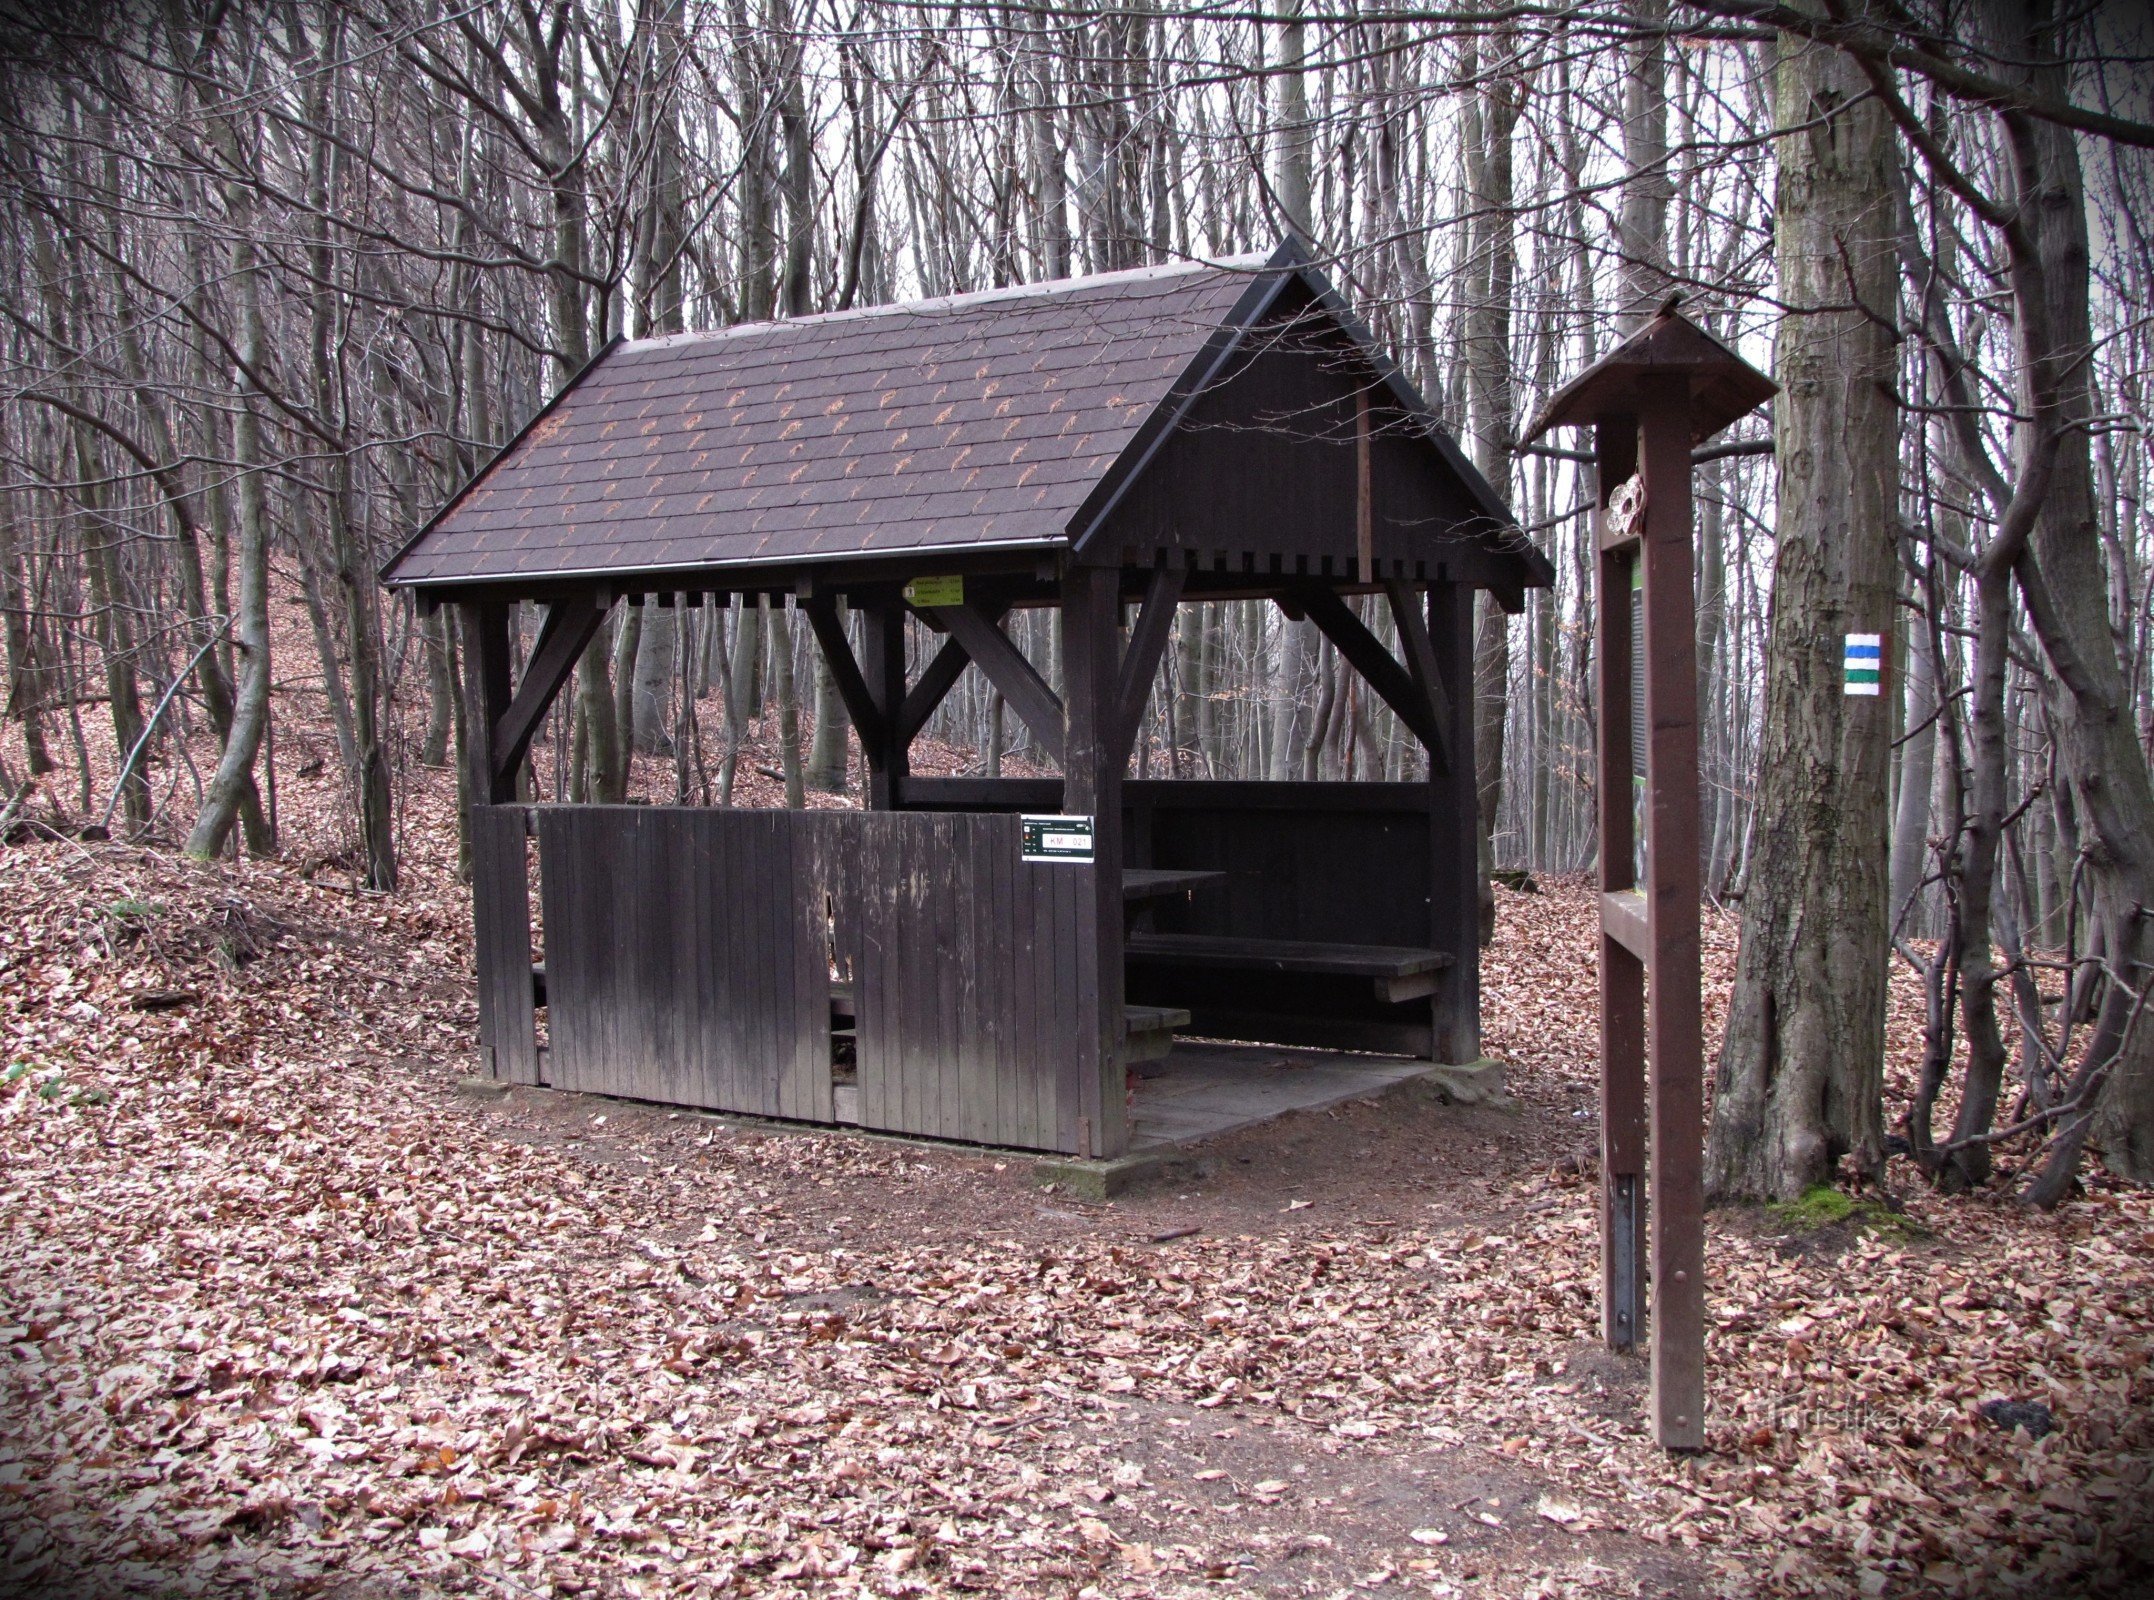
[
  {"x": 1151, "y": 1031},
  {"x": 1398, "y": 972},
  {"x": 1150, "y": 1028}
]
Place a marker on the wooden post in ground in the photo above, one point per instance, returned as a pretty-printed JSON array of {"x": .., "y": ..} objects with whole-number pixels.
[
  {"x": 1454, "y": 840},
  {"x": 1622, "y": 974},
  {"x": 1675, "y": 1054},
  {"x": 1092, "y": 760},
  {"x": 500, "y": 879},
  {"x": 1649, "y": 402},
  {"x": 882, "y": 638}
]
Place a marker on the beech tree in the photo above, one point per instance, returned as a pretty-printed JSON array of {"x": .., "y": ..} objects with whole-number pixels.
[{"x": 1801, "y": 1070}]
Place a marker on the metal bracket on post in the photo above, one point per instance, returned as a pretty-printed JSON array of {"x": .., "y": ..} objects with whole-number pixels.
[{"x": 1626, "y": 1301}]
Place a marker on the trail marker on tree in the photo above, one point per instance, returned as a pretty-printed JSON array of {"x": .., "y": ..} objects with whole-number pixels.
[{"x": 1649, "y": 402}]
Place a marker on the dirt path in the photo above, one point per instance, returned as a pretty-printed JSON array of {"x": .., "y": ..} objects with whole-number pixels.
[{"x": 1265, "y": 1498}]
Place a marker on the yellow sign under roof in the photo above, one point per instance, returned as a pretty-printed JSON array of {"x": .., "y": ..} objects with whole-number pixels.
[{"x": 925, "y": 592}]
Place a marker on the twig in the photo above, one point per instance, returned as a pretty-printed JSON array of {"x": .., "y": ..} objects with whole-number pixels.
[
  {"x": 119, "y": 784},
  {"x": 7, "y": 813}
]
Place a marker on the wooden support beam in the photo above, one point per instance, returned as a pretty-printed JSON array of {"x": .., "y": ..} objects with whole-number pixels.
[
  {"x": 882, "y": 639},
  {"x": 570, "y": 625},
  {"x": 1622, "y": 972},
  {"x": 1675, "y": 1050},
  {"x": 1377, "y": 666},
  {"x": 1140, "y": 657},
  {"x": 500, "y": 895},
  {"x": 822, "y": 610},
  {"x": 1455, "y": 836},
  {"x": 487, "y": 684},
  {"x": 1508, "y": 593},
  {"x": 1008, "y": 670},
  {"x": 1095, "y": 1087},
  {"x": 1406, "y": 615},
  {"x": 940, "y": 677},
  {"x": 1623, "y": 919}
]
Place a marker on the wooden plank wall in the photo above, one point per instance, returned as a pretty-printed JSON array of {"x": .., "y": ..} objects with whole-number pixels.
[
  {"x": 501, "y": 921},
  {"x": 681, "y": 964},
  {"x": 971, "y": 974},
  {"x": 690, "y": 959},
  {"x": 1338, "y": 862}
]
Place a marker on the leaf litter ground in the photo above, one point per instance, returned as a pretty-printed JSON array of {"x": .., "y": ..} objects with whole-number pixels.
[{"x": 282, "y": 1312}]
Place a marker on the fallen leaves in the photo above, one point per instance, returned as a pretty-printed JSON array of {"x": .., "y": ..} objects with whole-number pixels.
[{"x": 279, "y": 1307}]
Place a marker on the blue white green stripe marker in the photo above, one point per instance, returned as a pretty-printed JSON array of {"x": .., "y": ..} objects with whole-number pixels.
[{"x": 1865, "y": 664}]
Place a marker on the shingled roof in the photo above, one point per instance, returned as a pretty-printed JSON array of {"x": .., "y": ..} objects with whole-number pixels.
[{"x": 973, "y": 423}]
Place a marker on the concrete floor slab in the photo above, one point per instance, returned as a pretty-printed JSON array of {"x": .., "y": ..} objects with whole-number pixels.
[{"x": 1202, "y": 1090}]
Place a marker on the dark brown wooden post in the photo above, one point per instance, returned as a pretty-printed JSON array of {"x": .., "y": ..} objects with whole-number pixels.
[
  {"x": 1092, "y": 786},
  {"x": 487, "y": 686},
  {"x": 1454, "y": 844},
  {"x": 882, "y": 638},
  {"x": 500, "y": 874},
  {"x": 1675, "y": 1050},
  {"x": 1622, "y": 974},
  {"x": 1649, "y": 401}
]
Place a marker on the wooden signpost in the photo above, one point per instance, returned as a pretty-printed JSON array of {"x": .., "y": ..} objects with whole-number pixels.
[{"x": 1649, "y": 403}]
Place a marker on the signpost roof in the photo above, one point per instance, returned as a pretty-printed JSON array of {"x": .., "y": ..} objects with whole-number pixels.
[{"x": 1723, "y": 386}]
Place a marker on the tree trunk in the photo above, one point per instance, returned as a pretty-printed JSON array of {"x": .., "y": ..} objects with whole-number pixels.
[
  {"x": 601, "y": 760},
  {"x": 740, "y": 698},
  {"x": 657, "y": 654},
  {"x": 627, "y": 652},
  {"x": 1492, "y": 405},
  {"x": 2066, "y": 587},
  {"x": 1292, "y": 187},
  {"x": 370, "y": 775},
  {"x": 780, "y": 621},
  {"x": 1642, "y": 223},
  {"x": 26, "y": 679},
  {"x": 827, "y": 754},
  {"x": 250, "y": 630},
  {"x": 115, "y": 639},
  {"x": 440, "y": 689},
  {"x": 1911, "y": 820},
  {"x": 1801, "y": 1070}
]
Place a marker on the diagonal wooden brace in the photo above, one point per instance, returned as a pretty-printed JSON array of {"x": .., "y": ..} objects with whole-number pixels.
[
  {"x": 1008, "y": 670},
  {"x": 939, "y": 678},
  {"x": 1140, "y": 659},
  {"x": 822, "y": 610},
  {"x": 569, "y": 627},
  {"x": 1412, "y": 623},
  {"x": 1365, "y": 653}
]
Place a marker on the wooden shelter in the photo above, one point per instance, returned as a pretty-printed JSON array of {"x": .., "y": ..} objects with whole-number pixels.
[{"x": 944, "y": 963}]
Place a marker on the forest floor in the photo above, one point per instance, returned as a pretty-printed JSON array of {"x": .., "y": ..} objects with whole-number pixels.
[{"x": 282, "y": 1311}]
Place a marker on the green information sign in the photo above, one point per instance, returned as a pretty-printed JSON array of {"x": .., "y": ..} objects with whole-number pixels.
[
  {"x": 926, "y": 592},
  {"x": 1056, "y": 838}
]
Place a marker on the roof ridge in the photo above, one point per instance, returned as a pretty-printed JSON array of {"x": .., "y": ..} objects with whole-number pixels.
[{"x": 950, "y": 302}]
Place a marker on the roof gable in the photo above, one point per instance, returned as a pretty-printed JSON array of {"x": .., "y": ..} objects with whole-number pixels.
[
  {"x": 1723, "y": 386},
  {"x": 1303, "y": 451},
  {"x": 1007, "y": 420}
]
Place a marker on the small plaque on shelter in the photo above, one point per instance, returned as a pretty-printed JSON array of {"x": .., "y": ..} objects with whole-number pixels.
[
  {"x": 927, "y": 592},
  {"x": 1056, "y": 839}
]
